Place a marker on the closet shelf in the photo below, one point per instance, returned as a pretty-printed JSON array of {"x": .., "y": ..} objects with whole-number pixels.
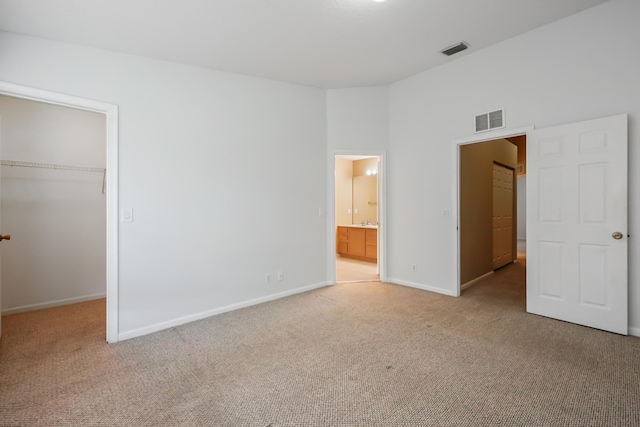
[
  {"x": 50, "y": 166},
  {"x": 16, "y": 163}
]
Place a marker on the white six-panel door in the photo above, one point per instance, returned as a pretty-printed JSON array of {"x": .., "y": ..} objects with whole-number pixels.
[
  {"x": 502, "y": 215},
  {"x": 577, "y": 223}
]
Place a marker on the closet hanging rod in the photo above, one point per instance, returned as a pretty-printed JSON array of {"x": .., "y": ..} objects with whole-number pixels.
[{"x": 17, "y": 163}]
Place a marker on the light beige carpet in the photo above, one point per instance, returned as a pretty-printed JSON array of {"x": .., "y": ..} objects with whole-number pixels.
[{"x": 347, "y": 355}]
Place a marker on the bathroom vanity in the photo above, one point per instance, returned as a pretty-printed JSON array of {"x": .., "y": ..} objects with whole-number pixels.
[{"x": 358, "y": 242}]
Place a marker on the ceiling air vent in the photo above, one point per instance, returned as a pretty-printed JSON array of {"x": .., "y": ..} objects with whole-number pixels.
[
  {"x": 455, "y": 48},
  {"x": 490, "y": 121}
]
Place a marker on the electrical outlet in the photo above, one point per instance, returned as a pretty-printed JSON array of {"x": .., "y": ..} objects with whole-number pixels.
[
  {"x": 280, "y": 276},
  {"x": 267, "y": 278},
  {"x": 446, "y": 212},
  {"x": 413, "y": 267}
]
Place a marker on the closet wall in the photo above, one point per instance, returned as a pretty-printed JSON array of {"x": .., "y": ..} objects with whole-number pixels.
[{"x": 56, "y": 218}]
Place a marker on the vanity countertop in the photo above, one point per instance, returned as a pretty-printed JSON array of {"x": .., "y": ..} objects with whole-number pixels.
[{"x": 359, "y": 225}]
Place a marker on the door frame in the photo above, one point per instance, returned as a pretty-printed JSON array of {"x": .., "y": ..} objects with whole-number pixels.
[
  {"x": 457, "y": 143},
  {"x": 331, "y": 211},
  {"x": 111, "y": 192}
]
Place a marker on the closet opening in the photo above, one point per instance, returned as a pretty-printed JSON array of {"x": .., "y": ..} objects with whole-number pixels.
[{"x": 58, "y": 171}]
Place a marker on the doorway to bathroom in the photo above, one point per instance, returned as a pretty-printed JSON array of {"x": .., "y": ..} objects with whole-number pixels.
[{"x": 357, "y": 218}]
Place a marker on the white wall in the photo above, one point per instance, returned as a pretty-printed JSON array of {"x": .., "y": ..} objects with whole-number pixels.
[
  {"x": 225, "y": 174},
  {"x": 582, "y": 67},
  {"x": 56, "y": 218},
  {"x": 358, "y": 118}
]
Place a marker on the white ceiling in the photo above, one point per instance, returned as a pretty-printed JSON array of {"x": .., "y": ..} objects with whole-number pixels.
[{"x": 323, "y": 43}]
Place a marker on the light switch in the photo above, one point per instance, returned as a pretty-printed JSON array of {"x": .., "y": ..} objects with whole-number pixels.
[
  {"x": 446, "y": 212},
  {"x": 126, "y": 215}
]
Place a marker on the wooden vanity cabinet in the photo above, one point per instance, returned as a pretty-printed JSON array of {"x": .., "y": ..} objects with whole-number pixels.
[
  {"x": 343, "y": 240},
  {"x": 371, "y": 244},
  {"x": 357, "y": 243}
]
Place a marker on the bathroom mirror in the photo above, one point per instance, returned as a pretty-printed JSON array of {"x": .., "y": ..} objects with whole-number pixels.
[{"x": 365, "y": 199}]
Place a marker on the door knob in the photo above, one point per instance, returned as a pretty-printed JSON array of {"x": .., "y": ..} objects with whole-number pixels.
[
  {"x": 617, "y": 235},
  {"x": 5, "y": 237}
]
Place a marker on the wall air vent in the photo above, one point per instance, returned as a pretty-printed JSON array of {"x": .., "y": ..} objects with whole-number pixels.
[
  {"x": 489, "y": 121},
  {"x": 455, "y": 48}
]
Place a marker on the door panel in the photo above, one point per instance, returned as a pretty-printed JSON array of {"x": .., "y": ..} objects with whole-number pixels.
[
  {"x": 356, "y": 241},
  {"x": 502, "y": 215},
  {"x": 577, "y": 198}
]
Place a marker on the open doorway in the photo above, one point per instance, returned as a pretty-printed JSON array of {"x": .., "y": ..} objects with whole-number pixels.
[
  {"x": 106, "y": 190},
  {"x": 357, "y": 218},
  {"x": 492, "y": 211},
  {"x": 53, "y": 204},
  {"x": 576, "y": 222}
]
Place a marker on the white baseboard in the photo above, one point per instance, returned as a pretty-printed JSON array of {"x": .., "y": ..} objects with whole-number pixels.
[
  {"x": 204, "y": 314},
  {"x": 470, "y": 283},
  {"x": 421, "y": 286},
  {"x": 634, "y": 331},
  {"x": 50, "y": 304}
]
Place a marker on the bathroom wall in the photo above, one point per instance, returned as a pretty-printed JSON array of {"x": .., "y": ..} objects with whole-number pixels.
[
  {"x": 365, "y": 191},
  {"x": 360, "y": 167},
  {"x": 356, "y": 192}
]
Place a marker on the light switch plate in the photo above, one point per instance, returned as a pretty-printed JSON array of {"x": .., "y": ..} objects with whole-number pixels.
[{"x": 126, "y": 215}]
